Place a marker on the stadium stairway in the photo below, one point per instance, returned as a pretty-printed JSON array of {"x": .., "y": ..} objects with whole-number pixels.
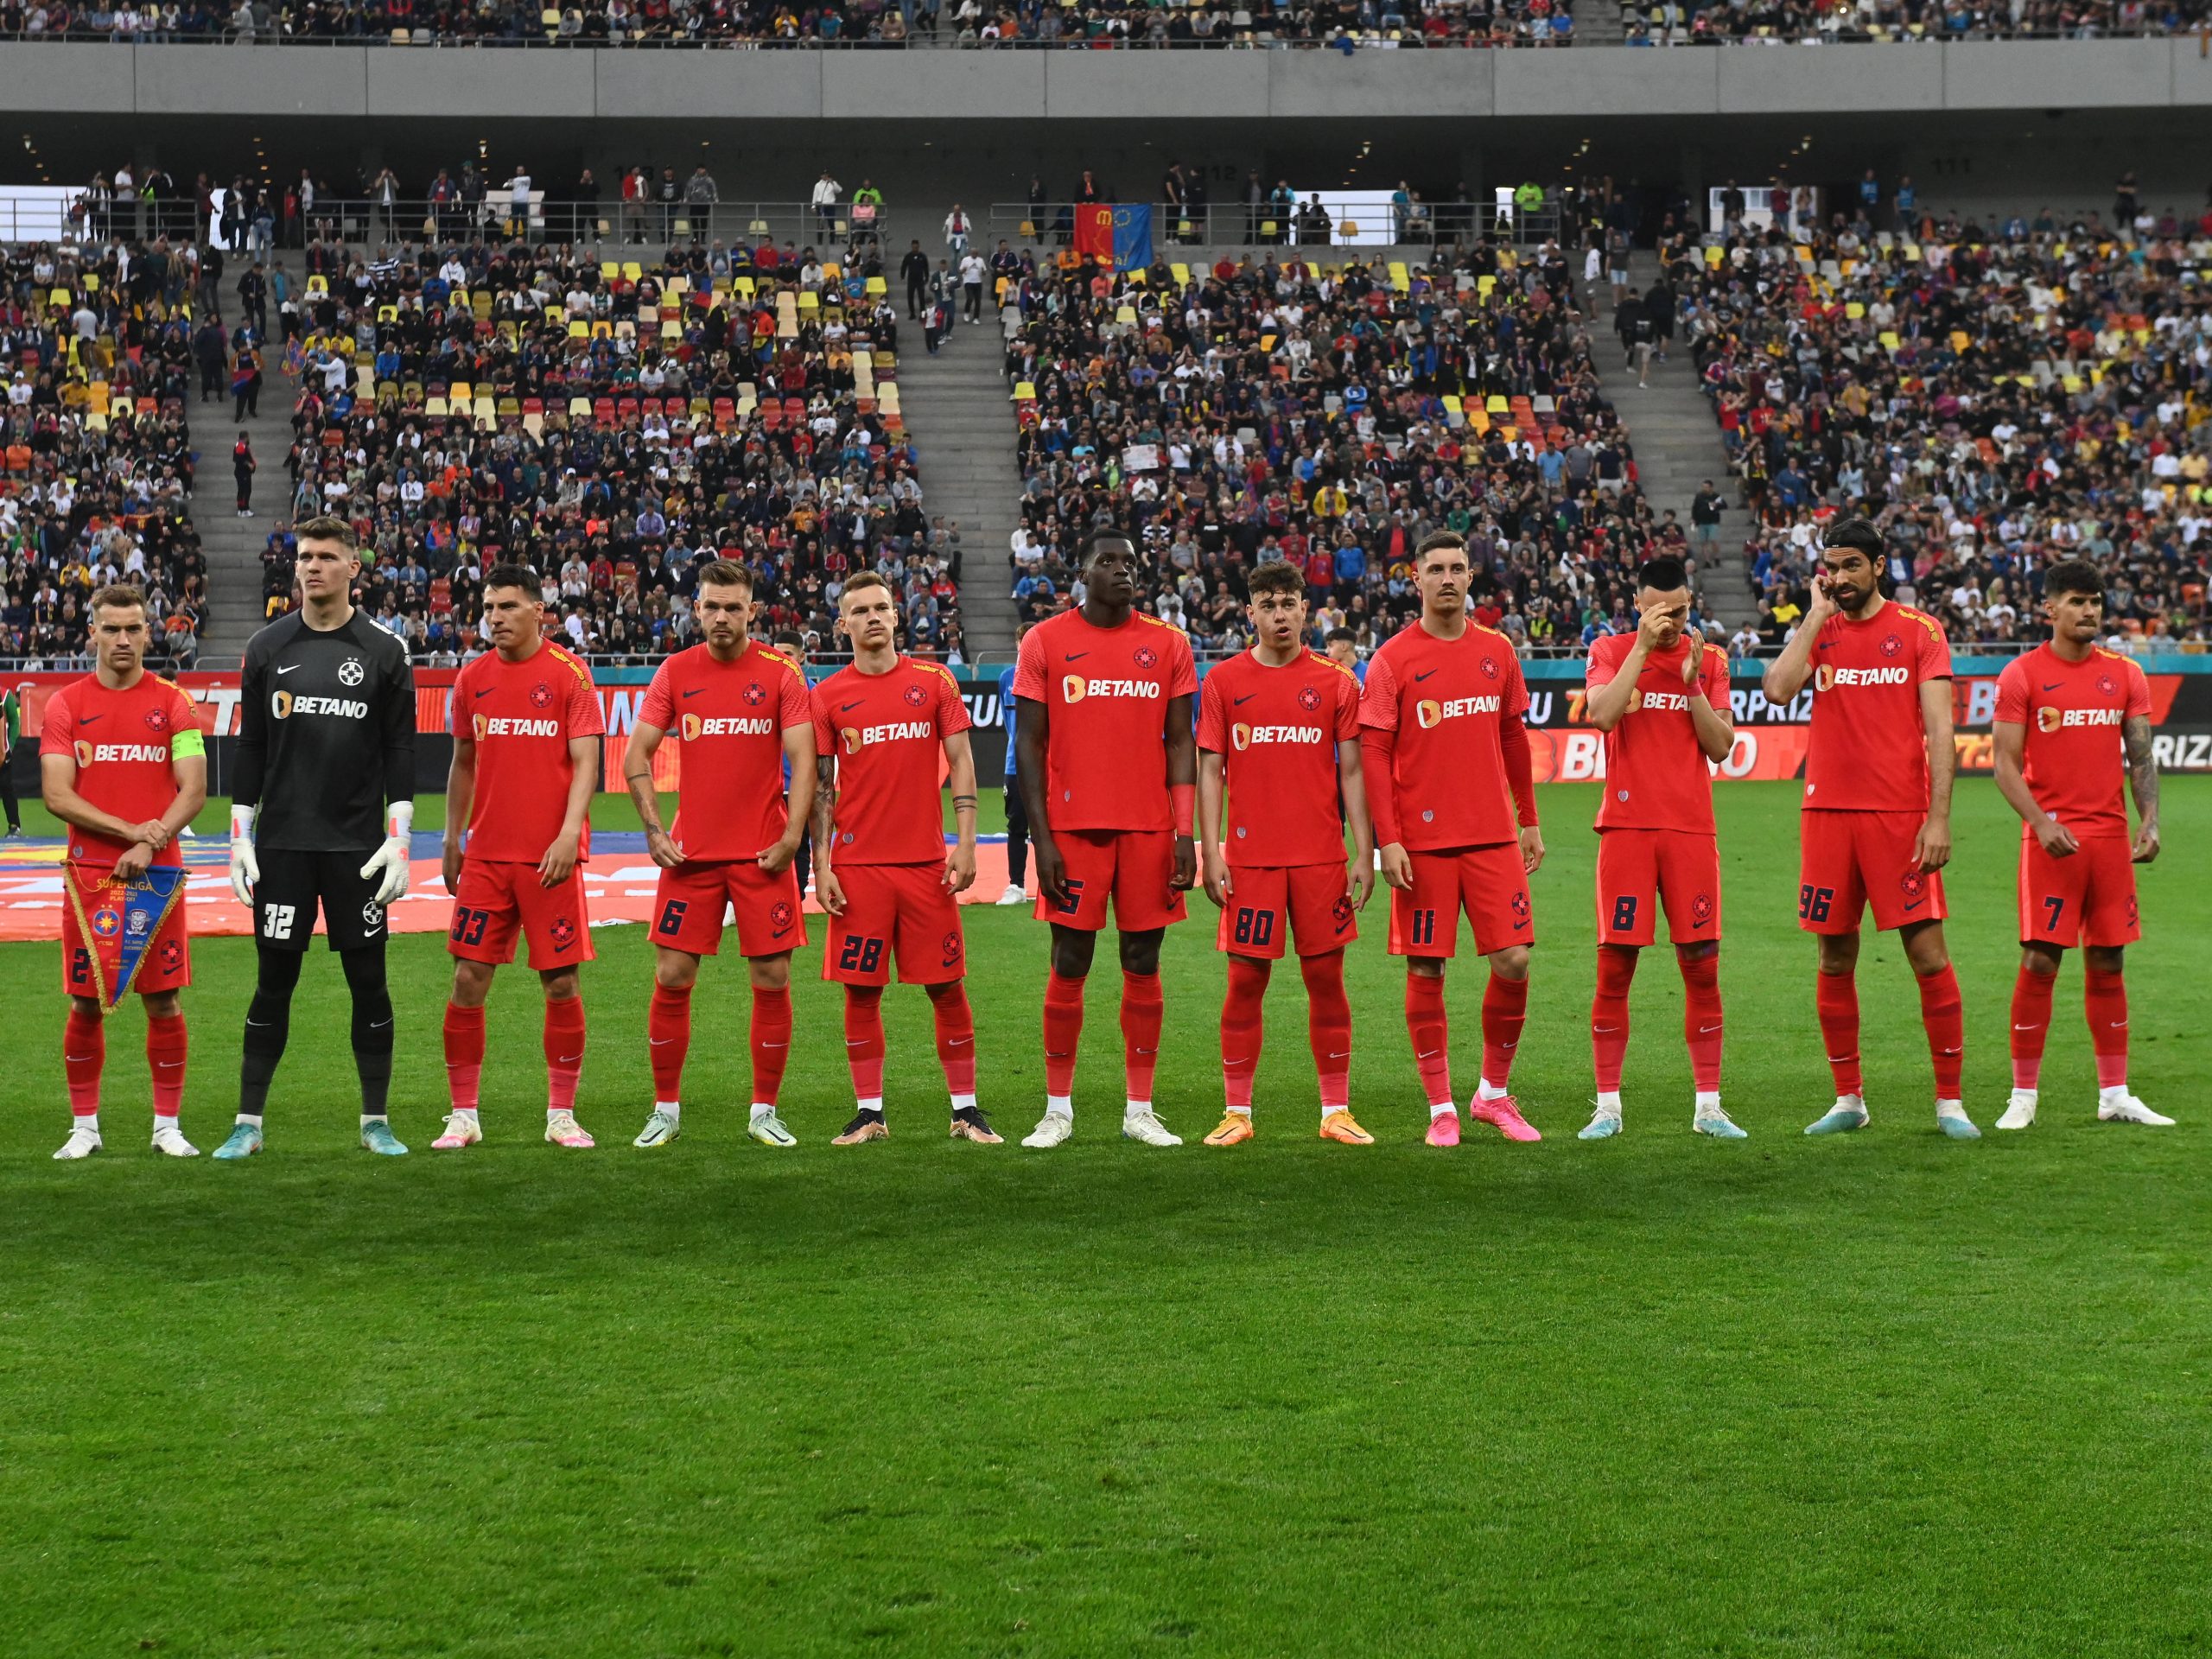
[
  {"x": 1678, "y": 446},
  {"x": 957, "y": 407},
  {"x": 233, "y": 545},
  {"x": 1599, "y": 22}
]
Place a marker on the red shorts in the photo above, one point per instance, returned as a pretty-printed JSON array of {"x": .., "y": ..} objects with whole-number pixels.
[
  {"x": 1267, "y": 901},
  {"x": 688, "y": 901},
  {"x": 2087, "y": 897},
  {"x": 1641, "y": 870},
  {"x": 1488, "y": 882},
  {"x": 497, "y": 900},
  {"x": 899, "y": 909},
  {"x": 167, "y": 965},
  {"x": 1850, "y": 860},
  {"x": 1132, "y": 865}
]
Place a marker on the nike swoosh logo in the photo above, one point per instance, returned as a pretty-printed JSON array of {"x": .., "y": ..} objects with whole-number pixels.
[
  {"x": 1418, "y": 678},
  {"x": 288, "y": 667},
  {"x": 378, "y": 1025},
  {"x": 258, "y": 1024},
  {"x": 1916, "y": 903},
  {"x": 487, "y": 691},
  {"x": 1246, "y": 697},
  {"x": 1706, "y": 1031},
  {"x": 1075, "y": 656},
  {"x": 86, "y": 719},
  {"x": 660, "y": 1042},
  {"x": 2027, "y": 1028},
  {"x": 694, "y": 691},
  {"x": 2053, "y": 686},
  {"x": 1601, "y": 1031},
  {"x": 1824, "y": 645},
  {"x": 1429, "y": 1055},
  {"x": 847, "y": 708},
  {"x": 1517, "y": 927}
]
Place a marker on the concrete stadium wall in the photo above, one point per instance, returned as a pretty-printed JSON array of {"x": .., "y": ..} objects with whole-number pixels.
[{"x": 354, "y": 83}]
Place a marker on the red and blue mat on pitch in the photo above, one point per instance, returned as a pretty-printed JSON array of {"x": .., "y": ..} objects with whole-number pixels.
[{"x": 618, "y": 883}]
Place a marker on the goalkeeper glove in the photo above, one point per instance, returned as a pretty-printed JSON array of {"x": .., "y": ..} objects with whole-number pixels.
[
  {"x": 389, "y": 862},
  {"x": 246, "y": 870}
]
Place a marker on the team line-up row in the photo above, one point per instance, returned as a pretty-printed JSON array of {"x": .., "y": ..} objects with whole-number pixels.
[{"x": 1134, "y": 783}]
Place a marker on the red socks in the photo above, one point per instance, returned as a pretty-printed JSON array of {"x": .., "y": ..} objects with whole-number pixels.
[
  {"x": 864, "y": 1043},
  {"x": 1142, "y": 1011},
  {"x": 464, "y": 1032},
  {"x": 1328, "y": 1027},
  {"x": 1836, "y": 995},
  {"x": 1701, "y": 1019},
  {"x": 165, "y": 1056},
  {"x": 1063, "y": 1033},
  {"x": 956, "y": 1039},
  {"x": 2030, "y": 1024},
  {"x": 2104, "y": 997},
  {"x": 1241, "y": 1029},
  {"x": 1505, "y": 1010},
  {"x": 1941, "y": 1013},
  {"x": 564, "y": 1052},
  {"x": 84, "y": 1053},
  {"x": 1431, "y": 1031},
  {"x": 1608, "y": 1017},
  {"x": 772, "y": 1042},
  {"x": 668, "y": 1033}
]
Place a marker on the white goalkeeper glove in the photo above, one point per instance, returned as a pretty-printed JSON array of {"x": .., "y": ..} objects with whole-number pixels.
[
  {"x": 389, "y": 862},
  {"x": 246, "y": 870}
]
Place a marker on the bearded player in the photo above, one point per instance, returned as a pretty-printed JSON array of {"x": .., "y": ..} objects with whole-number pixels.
[
  {"x": 740, "y": 711},
  {"x": 526, "y": 727},
  {"x": 1661, "y": 697},
  {"x": 122, "y": 762},
  {"x": 1876, "y": 829},
  {"x": 1278, "y": 746},
  {"x": 1106, "y": 767},
  {"x": 884, "y": 727},
  {"x": 1452, "y": 787},
  {"x": 2058, "y": 767}
]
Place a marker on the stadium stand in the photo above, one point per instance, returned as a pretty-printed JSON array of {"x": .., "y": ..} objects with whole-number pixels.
[
  {"x": 1870, "y": 22},
  {"x": 611, "y": 422},
  {"x": 99, "y": 464},
  {"x": 1332, "y": 415},
  {"x": 1995, "y": 399}
]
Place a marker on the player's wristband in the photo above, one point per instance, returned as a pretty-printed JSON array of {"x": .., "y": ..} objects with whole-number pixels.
[
  {"x": 241, "y": 822},
  {"x": 1183, "y": 799},
  {"x": 402, "y": 820}
]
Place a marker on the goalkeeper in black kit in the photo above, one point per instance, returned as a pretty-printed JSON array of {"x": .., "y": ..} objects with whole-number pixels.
[{"x": 322, "y": 805}]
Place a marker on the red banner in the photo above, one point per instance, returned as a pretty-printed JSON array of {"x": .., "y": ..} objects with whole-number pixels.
[{"x": 1094, "y": 232}]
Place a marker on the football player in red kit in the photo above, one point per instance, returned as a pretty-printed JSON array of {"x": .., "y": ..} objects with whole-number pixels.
[
  {"x": 1876, "y": 829},
  {"x": 122, "y": 762},
  {"x": 526, "y": 727},
  {"x": 881, "y": 868},
  {"x": 741, "y": 710},
  {"x": 1451, "y": 784},
  {"x": 1661, "y": 697},
  {"x": 2058, "y": 711},
  {"x": 1279, "y": 738},
  {"x": 1106, "y": 767}
]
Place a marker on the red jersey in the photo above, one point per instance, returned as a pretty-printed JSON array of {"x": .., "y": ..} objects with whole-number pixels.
[
  {"x": 1446, "y": 700},
  {"x": 887, "y": 731},
  {"x": 1276, "y": 730},
  {"x": 1106, "y": 690},
  {"x": 1867, "y": 751},
  {"x": 2076, "y": 763},
  {"x": 731, "y": 718},
  {"x": 122, "y": 743},
  {"x": 1656, "y": 776},
  {"x": 521, "y": 715}
]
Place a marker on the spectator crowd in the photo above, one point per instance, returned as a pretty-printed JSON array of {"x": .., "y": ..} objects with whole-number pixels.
[{"x": 1781, "y": 23}]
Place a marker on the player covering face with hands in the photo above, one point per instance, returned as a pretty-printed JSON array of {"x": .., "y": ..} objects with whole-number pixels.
[
  {"x": 886, "y": 726},
  {"x": 1876, "y": 829},
  {"x": 740, "y": 713},
  {"x": 1661, "y": 697},
  {"x": 1278, "y": 748},
  {"x": 2057, "y": 766}
]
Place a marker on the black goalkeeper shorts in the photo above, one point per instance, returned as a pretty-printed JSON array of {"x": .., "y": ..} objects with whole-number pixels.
[{"x": 292, "y": 886}]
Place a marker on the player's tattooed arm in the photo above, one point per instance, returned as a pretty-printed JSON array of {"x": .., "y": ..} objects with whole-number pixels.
[
  {"x": 2143, "y": 780},
  {"x": 822, "y": 829},
  {"x": 960, "y": 858},
  {"x": 638, "y": 774}
]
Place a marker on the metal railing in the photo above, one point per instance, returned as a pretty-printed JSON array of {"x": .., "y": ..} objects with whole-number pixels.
[
  {"x": 547, "y": 215},
  {"x": 1311, "y": 223}
]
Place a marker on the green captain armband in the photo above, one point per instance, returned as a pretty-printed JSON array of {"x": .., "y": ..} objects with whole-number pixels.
[{"x": 190, "y": 741}]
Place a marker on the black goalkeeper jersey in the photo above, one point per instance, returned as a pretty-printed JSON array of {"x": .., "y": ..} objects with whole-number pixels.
[{"x": 326, "y": 734}]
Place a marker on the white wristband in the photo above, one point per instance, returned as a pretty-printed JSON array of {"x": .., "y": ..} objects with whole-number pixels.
[
  {"x": 241, "y": 822},
  {"x": 403, "y": 819}
]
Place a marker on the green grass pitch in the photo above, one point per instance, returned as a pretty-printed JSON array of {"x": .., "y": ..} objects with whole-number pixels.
[{"x": 1879, "y": 1394}]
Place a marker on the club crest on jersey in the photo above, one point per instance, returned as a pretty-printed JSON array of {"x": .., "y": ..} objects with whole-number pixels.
[
  {"x": 2105, "y": 684},
  {"x": 916, "y": 696},
  {"x": 1309, "y": 699},
  {"x": 157, "y": 720},
  {"x": 755, "y": 694},
  {"x": 541, "y": 696},
  {"x": 1489, "y": 667},
  {"x": 1891, "y": 645},
  {"x": 951, "y": 947},
  {"x": 172, "y": 954},
  {"x": 1521, "y": 905},
  {"x": 350, "y": 673},
  {"x": 372, "y": 915},
  {"x": 779, "y": 915},
  {"x": 1702, "y": 909},
  {"x": 1912, "y": 884},
  {"x": 1340, "y": 912},
  {"x": 1144, "y": 657}
]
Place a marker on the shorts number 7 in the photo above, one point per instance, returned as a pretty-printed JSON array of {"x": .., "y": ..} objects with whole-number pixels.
[{"x": 2054, "y": 906}]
